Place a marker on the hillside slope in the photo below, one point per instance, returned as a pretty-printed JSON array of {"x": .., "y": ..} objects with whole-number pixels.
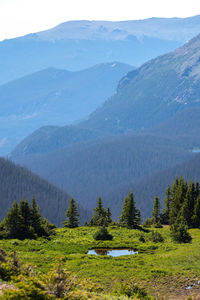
[
  {"x": 19, "y": 183},
  {"x": 87, "y": 170}
]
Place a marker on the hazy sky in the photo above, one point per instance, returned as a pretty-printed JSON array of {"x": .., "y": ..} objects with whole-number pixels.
[{"x": 19, "y": 17}]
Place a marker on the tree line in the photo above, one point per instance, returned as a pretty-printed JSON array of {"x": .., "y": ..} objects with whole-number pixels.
[
  {"x": 182, "y": 200},
  {"x": 181, "y": 211},
  {"x": 130, "y": 216}
]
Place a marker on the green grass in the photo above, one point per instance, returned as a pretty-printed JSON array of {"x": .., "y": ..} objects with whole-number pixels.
[{"x": 158, "y": 266}]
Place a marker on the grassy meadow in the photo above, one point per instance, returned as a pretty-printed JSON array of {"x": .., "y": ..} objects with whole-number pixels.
[{"x": 164, "y": 269}]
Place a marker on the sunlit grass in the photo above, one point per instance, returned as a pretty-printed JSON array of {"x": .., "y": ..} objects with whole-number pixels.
[{"x": 165, "y": 263}]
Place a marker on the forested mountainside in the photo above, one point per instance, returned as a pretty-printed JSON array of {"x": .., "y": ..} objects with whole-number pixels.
[
  {"x": 55, "y": 97},
  {"x": 146, "y": 97},
  {"x": 19, "y": 183},
  {"x": 146, "y": 188},
  {"x": 88, "y": 170}
]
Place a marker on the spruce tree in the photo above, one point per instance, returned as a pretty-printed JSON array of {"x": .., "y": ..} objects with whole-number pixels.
[
  {"x": 138, "y": 217},
  {"x": 179, "y": 189},
  {"x": 99, "y": 218},
  {"x": 108, "y": 217},
  {"x": 196, "y": 214},
  {"x": 24, "y": 211},
  {"x": 188, "y": 204},
  {"x": 36, "y": 218},
  {"x": 156, "y": 210},
  {"x": 72, "y": 215},
  {"x": 167, "y": 205},
  {"x": 197, "y": 190},
  {"x": 13, "y": 222},
  {"x": 128, "y": 217}
]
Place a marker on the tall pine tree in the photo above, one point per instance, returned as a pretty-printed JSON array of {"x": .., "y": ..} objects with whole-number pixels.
[
  {"x": 99, "y": 218},
  {"x": 188, "y": 204},
  {"x": 156, "y": 210},
  {"x": 129, "y": 216},
  {"x": 196, "y": 214},
  {"x": 72, "y": 215},
  {"x": 167, "y": 205}
]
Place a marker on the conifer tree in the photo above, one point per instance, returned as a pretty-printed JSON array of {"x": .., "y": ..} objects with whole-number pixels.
[
  {"x": 179, "y": 189},
  {"x": 128, "y": 217},
  {"x": 24, "y": 211},
  {"x": 99, "y": 218},
  {"x": 196, "y": 214},
  {"x": 72, "y": 215},
  {"x": 197, "y": 190},
  {"x": 188, "y": 204},
  {"x": 167, "y": 205},
  {"x": 156, "y": 210},
  {"x": 138, "y": 217},
  {"x": 13, "y": 222},
  {"x": 108, "y": 217},
  {"x": 36, "y": 218}
]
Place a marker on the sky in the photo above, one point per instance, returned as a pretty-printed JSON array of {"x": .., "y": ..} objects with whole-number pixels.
[{"x": 20, "y": 17}]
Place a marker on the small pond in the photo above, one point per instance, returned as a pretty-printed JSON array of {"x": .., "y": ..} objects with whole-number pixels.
[{"x": 112, "y": 252}]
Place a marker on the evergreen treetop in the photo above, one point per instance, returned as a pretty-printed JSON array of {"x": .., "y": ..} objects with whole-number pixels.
[
  {"x": 72, "y": 215},
  {"x": 156, "y": 210},
  {"x": 129, "y": 216}
]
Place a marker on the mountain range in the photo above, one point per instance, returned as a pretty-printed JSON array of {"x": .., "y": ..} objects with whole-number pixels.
[
  {"x": 149, "y": 125},
  {"x": 53, "y": 96},
  {"x": 145, "y": 97},
  {"x": 78, "y": 45}
]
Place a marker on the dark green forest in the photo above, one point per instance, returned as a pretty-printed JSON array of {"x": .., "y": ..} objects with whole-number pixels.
[{"x": 19, "y": 183}]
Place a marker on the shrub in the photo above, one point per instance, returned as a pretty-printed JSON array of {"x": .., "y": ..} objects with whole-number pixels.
[
  {"x": 26, "y": 290},
  {"x": 179, "y": 231},
  {"x": 103, "y": 235},
  {"x": 156, "y": 237},
  {"x": 142, "y": 239},
  {"x": 130, "y": 289}
]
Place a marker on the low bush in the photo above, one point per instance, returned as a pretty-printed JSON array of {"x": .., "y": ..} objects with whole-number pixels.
[
  {"x": 156, "y": 237},
  {"x": 103, "y": 235},
  {"x": 130, "y": 289},
  {"x": 179, "y": 232}
]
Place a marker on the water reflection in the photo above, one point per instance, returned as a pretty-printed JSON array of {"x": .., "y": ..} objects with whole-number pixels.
[{"x": 112, "y": 252}]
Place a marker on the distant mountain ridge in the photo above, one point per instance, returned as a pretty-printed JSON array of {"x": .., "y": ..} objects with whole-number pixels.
[
  {"x": 145, "y": 97},
  {"x": 169, "y": 28},
  {"x": 78, "y": 45},
  {"x": 55, "y": 97}
]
